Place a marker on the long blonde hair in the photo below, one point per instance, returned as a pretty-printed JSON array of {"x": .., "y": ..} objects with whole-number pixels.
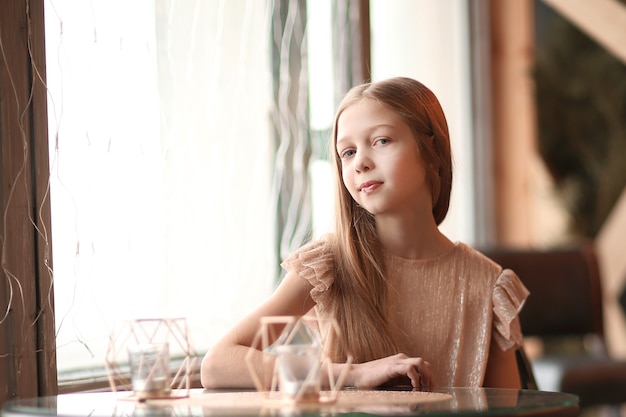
[{"x": 359, "y": 290}]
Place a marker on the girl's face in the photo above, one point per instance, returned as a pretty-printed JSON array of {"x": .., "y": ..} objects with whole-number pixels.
[{"x": 380, "y": 162}]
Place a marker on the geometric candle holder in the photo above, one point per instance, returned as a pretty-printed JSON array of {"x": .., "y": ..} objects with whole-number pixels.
[
  {"x": 138, "y": 358},
  {"x": 292, "y": 354}
]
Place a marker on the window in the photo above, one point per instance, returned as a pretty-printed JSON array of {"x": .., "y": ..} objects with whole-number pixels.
[{"x": 163, "y": 183}]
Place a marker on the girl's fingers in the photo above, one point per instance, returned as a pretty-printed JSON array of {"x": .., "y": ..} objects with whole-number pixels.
[
  {"x": 414, "y": 375},
  {"x": 420, "y": 375}
]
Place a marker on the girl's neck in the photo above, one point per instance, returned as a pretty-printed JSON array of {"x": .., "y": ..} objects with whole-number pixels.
[{"x": 412, "y": 239}]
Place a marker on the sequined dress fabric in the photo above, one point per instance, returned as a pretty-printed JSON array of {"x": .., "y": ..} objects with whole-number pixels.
[{"x": 446, "y": 310}]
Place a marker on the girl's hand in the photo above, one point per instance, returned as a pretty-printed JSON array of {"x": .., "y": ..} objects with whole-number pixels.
[{"x": 398, "y": 369}]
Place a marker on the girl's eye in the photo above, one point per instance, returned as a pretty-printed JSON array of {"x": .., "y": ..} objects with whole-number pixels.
[
  {"x": 347, "y": 153},
  {"x": 382, "y": 141}
]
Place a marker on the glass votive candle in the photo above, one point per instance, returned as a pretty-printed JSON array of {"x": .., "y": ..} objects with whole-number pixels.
[
  {"x": 149, "y": 369},
  {"x": 298, "y": 368}
]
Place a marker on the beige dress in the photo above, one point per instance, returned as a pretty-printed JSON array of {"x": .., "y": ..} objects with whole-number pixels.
[{"x": 446, "y": 310}]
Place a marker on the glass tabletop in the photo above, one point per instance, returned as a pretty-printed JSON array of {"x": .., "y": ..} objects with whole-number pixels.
[{"x": 439, "y": 402}]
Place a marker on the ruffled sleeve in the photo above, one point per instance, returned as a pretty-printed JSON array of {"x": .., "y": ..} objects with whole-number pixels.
[
  {"x": 315, "y": 263},
  {"x": 509, "y": 295}
]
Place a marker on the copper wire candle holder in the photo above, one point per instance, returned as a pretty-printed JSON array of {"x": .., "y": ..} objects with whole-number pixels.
[
  {"x": 145, "y": 345},
  {"x": 295, "y": 365}
]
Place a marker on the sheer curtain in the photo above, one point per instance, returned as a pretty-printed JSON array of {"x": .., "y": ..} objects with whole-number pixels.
[{"x": 161, "y": 166}]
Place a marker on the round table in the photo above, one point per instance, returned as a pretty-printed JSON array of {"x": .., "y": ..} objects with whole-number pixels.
[{"x": 440, "y": 402}]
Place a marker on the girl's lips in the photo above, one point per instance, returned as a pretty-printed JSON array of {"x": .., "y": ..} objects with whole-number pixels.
[{"x": 368, "y": 187}]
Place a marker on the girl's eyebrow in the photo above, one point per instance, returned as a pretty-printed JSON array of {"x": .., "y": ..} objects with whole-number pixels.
[
  {"x": 369, "y": 131},
  {"x": 342, "y": 139}
]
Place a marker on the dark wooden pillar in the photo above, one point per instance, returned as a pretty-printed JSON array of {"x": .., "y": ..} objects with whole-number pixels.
[{"x": 27, "y": 348}]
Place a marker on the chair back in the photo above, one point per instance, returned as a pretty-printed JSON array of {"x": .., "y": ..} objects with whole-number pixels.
[
  {"x": 566, "y": 294},
  {"x": 525, "y": 369}
]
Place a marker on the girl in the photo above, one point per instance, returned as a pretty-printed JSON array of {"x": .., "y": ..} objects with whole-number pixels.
[{"x": 406, "y": 298}]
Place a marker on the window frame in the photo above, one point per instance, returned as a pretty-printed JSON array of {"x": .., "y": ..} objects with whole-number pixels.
[{"x": 27, "y": 332}]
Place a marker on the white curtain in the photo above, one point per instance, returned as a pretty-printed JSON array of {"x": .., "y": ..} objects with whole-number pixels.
[{"x": 162, "y": 160}]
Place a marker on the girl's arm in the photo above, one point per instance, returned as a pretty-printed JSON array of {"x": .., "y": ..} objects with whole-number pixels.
[
  {"x": 501, "y": 369},
  {"x": 224, "y": 366},
  {"x": 398, "y": 369}
]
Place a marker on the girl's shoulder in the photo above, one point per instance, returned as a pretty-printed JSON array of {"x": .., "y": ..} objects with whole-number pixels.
[
  {"x": 504, "y": 277},
  {"x": 476, "y": 258},
  {"x": 464, "y": 260},
  {"x": 315, "y": 263},
  {"x": 314, "y": 254}
]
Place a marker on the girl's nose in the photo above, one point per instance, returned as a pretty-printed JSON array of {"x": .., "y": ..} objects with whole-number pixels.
[{"x": 363, "y": 162}]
